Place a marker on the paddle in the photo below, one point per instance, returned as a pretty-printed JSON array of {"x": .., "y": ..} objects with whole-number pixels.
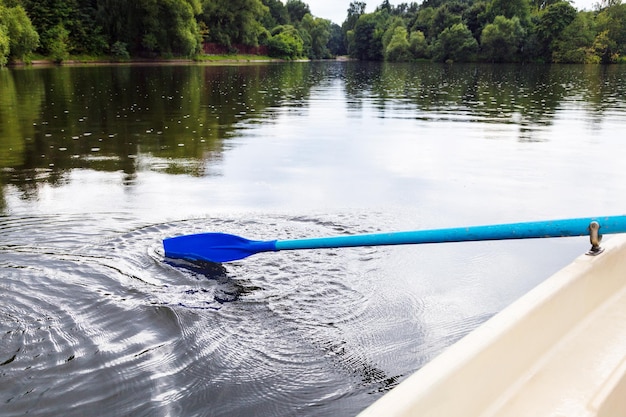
[{"x": 221, "y": 247}]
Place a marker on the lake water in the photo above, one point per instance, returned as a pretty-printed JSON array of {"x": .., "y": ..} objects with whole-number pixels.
[{"x": 98, "y": 164}]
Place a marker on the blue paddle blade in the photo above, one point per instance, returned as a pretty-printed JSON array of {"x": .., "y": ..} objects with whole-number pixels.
[{"x": 214, "y": 247}]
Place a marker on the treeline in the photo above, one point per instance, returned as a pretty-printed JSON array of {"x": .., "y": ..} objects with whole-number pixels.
[
  {"x": 453, "y": 30},
  {"x": 488, "y": 30},
  {"x": 161, "y": 28}
]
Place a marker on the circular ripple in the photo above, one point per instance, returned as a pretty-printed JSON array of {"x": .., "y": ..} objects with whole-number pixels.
[{"x": 103, "y": 319}]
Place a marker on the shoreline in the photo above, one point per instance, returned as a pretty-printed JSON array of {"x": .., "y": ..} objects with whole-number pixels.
[{"x": 202, "y": 59}]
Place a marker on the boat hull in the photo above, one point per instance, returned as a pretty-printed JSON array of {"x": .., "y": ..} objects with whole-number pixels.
[{"x": 560, "y": 350}]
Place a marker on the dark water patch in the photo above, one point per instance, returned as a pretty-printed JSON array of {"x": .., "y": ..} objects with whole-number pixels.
[{"x": 102, "y": 319}]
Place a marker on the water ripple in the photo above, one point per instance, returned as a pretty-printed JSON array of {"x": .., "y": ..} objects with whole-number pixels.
[{"x": 100, "y": 319}]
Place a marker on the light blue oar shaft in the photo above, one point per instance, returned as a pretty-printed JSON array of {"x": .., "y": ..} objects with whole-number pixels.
[{"x": 528, "y": 230}]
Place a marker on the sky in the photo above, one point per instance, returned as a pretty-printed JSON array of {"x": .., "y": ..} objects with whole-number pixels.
[{"x": 337, "y": 10}]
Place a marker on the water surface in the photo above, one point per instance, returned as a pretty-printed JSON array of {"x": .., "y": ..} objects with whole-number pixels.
[{"x": 98, "y": 164}]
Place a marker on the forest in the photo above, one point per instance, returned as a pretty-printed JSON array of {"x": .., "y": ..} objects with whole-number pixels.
[{"x": 542, "y": 31}]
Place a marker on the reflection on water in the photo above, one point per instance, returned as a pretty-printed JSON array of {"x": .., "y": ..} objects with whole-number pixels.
[
  {"x": 98, "y": 164},
  {"x": 178, "y": 119}
]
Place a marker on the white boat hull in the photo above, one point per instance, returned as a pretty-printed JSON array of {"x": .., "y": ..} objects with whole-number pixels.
[{"x": 560, "y": 350}]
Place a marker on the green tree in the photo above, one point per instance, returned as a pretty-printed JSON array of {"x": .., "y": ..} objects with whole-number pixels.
[
  {"x": 575, "y": 45},
  {"x": 307, "y": 41},
  {"x": 58, "y": 43},
  {"x": 476, "y": 18},
  {"x": 393, "y": 23},
  {"x": 336, "y": 42},
  {"x": 170, "y": 27},
  {"x": 510, "y": 9},
  {"x": 48, "y": 17},
  {"x": 603, "y": 4},
  {"x": 356, "y": 9},
  {"x": 610, "y": 42},
  {"x": 550, "y": 24},
  {"x": 22, "y": 36},
  {"x": 443, "y": 18},
  {"x": 78, "y": 17},
  {"x": 384, "y": 6},
  {"x": 319, "y": 31},
  {"x": 86, "y": 33},
  {"x": 398, "y": 48},
  {"x": 233, "y": 21},
  {"x": 121, "y": 21},
  {"x": 542, "y": 4},
  {"x": 275, "y": 15},
  {"x": 297, "y": 9},
  {"x": 286, "y": 43},
  {"x": 424, "y": 21},
  {"x": 455, "y": 43},
  {"x": 418, "y": 44},
  {"x": 4, "y": 45},
  {"x": 500, "y": 40},
  {"x": 366, "y": 43}
]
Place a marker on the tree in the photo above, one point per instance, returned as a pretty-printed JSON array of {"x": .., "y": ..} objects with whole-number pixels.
[
  {"x": 355, "y": 11},
  {"x": 366, "y": 43},
  {"x": 170, "y": 27},
  {"x": 286, "y": 43},
  {"x": 432, "y": 3},
  {"x": 398, "y": 48},
  {"x": 48, "y": 17},
  {"x": 501, "y": 39},
  {"x": 120, "y": 21},
  {"x": 542, "y": 4},
  {"x": 4, "y": 45},
  {"x": 575, "y": 45},
  {"x": 336, "y": 42},
  {"x": 443, "y": 18},
  {"x": 476, "y": 18},
  {"x": 550, "y": 24},
  {"x": 603, "y": 4},
  {"x": 233, "y": 21},
  {"x": 297, "y": 9},
  {"x": 276, "y": 14},
  {"x": 78, "y": 17},
  {"x": 384, "y": 6},
  {"x": 605, "y": 48},
  {"x": 455, "y": 43},
  {"x": 319, "y": 32},
  {"x": 86, "y": 33},
  {"x": 22, "y": 36},
  {"x": 510, "y": 9},
  {"x": 418, "y": 45},
  {"x": 393, "y": 23},
  {"x": 58, "y": 43},
  {"x": 424, "y": 21},
  {"x": 610, "y": 42}
]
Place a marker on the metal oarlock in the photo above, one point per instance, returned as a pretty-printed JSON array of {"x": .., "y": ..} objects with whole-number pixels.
[{"x": 595, "y": 237}]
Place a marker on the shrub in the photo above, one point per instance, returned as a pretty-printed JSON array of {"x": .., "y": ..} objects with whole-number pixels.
[
  {"x": 119, "y": 51},
  {"x": 286, "y": 44},
  {"x": 58, "y": 45}
]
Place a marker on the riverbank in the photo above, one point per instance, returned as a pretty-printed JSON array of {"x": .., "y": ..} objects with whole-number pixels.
[
  {"x": 108, "y": 60},
  {"x": 40, "y": 60}
]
